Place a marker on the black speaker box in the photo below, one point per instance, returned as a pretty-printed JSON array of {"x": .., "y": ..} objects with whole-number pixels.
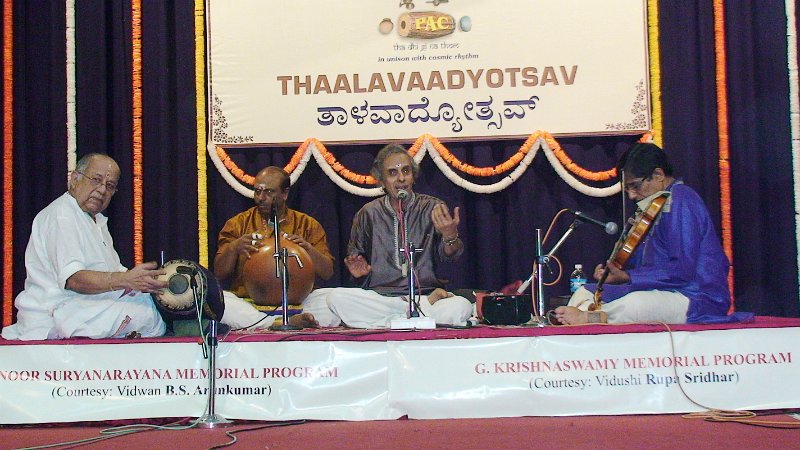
[{"x": 507, "y": 309}]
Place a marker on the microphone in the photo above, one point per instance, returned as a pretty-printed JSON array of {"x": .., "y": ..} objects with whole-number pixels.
[
  {"x": 610, "y": 227},
  {"x": 402, "y": 194}
]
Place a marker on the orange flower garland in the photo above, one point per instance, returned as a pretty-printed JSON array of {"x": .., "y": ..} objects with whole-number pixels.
[
  {"x": 445, "y": 154},
  {"x": 722, "y": 130},
  {"x": 138, "y": 171},
  {"x": 233, "y": 168},
  {"x": 574, "y": 168},
  {"x": 341, "y": 170}
]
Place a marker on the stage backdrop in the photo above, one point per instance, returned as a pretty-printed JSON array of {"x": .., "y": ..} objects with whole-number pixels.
[
  {"x": 753, "y": 54},
  {"x": 381, "y": 70}
]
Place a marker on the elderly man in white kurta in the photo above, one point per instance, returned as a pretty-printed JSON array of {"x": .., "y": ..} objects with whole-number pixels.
[{"x": 75, "y": 285}]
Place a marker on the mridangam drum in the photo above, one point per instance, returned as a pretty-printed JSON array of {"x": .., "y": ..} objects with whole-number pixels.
[{"x": 177, "y": 302}]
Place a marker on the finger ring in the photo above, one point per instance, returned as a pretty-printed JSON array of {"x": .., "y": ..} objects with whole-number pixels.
[{"x": 253, "y": 242}]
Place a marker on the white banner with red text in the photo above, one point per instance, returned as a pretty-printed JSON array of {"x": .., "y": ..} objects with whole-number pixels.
[{"x": 637, "y": 373}]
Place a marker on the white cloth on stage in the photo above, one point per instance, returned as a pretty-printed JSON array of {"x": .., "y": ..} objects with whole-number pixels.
[
  {"x": 64, "y": 240},
  {"x": 362, "y": 308},
  {"x": 241, "y": 314},
  {"x": 638, "y": 306}
]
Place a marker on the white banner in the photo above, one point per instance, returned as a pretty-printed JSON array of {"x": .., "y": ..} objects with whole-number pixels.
[
  {"x": 637, "y": 373},
  {"x": 597, "y": 375},
  {"x": 371, "y": 70},
  {"x": 71, "y": 383},
  {"x": 307, "y": 380}
]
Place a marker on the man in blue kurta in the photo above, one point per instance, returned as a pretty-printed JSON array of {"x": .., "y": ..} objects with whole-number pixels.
[{"x": 677, "y": 273}]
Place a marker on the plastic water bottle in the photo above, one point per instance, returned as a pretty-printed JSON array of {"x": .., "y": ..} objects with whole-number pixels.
[{"x": 577, "y": 278}]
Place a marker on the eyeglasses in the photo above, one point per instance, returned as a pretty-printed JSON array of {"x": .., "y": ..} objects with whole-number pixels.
[
  {"x": 97, "y": 181},
  {"x": 634, "y": 185}
]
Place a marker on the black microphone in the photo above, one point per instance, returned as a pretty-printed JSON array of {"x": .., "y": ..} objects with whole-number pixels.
[{"x": 610, "y": 227}]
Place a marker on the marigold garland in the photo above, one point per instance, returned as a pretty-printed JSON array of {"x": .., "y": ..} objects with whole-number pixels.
[
  {"x": 654, "y": 51},
  {"x": 442, "y": 151},
  {"x": 200, "y": 108},
  {"x": 138, "y": 185},
  {"x": 343, "y": 171},
  {"x": 722, "y": 130}
]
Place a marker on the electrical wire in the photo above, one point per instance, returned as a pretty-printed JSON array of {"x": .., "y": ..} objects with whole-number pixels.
[
  {"x": 231, "y": 434},
  {"x": 710, "y": 414},
  {"x": 115, "y": 432}
]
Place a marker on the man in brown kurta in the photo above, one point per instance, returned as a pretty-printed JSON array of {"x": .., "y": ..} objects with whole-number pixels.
[{"x": 245, "y": 232}]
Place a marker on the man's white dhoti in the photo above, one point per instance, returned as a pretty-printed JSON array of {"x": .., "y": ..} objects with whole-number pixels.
[
  {"x": 362, "y": 308},
  {"x": 241, "y": 314},
  {"x": 638, "y": 306},
  {"x": 102, "y": 318}
]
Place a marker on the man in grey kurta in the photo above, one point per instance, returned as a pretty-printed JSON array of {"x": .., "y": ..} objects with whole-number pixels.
[{"x": 380, "y": 230}]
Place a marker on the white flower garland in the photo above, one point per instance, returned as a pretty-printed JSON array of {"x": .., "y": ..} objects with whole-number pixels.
[
  {"x": 430, "y": 149},
  {"x": 794, "y": 113},
  {"x": 72, "y": 118}
]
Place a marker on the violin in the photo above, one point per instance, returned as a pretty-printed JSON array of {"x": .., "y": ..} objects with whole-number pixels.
[{"x": 628, "y": 242}]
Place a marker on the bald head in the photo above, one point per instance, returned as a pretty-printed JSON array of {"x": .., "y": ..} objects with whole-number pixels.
[{"x": 93, "y": 182}]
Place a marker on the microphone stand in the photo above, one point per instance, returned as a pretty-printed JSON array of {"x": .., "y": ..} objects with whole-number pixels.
[
  {"x": 541, "y": 320},
  {"x": 281, "y": 255},
  {"x": 409, "y": 251},
  {"x": 413, "y": 321},
  {"x": 210, "y": 419}
]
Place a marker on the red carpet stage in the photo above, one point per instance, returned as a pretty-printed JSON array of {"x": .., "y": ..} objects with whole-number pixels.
[
  {"x": 357, "y": 375},
  {"x": 652, "y": 432}
]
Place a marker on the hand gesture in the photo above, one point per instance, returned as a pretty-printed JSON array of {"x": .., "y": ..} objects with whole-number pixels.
[
  {"x": 445, "y": 224},
  {"x": 247, "y": 244},
  {"x": 142, "y": 278},
  {"x": 298, "y": 240},
  {"x": 357, "y": 265}
]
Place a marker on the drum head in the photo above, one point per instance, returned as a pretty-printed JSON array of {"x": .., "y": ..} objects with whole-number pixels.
[{"x": 189, "y": 283}]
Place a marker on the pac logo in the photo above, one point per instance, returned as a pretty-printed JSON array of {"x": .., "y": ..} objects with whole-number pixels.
[{"x": 425, "y": 25}]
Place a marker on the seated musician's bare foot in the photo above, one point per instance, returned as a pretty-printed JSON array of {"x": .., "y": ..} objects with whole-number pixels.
[
  {"x": 570, "y": 315},
  {"x": 437, "y": 295},
  {"x": 304, "y": 320}
]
